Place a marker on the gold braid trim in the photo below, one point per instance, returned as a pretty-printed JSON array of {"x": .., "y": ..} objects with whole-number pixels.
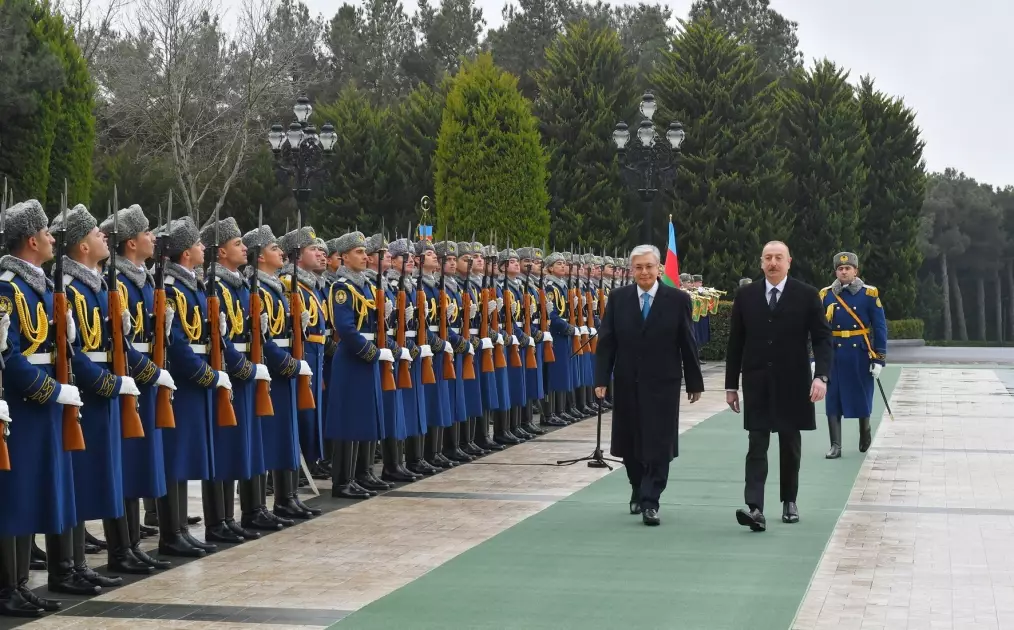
[
  {"x": 91, "y": 332},
  {"x": 148, "y": 374},
  {"x": 44, "y": 393},
  {"x": 107, "y": 386},
  {"x": 37, "y": 335},
  {"x": 276, "y": 321},
  {"x": 136, "y": 321},
  {"x": 192, "y": 329},
  {"x": 315, "y": 308},
  {"x": 360, "y": 305},
  {"x": 234, "y": 311},
  {"x": 207, "y": 377}
]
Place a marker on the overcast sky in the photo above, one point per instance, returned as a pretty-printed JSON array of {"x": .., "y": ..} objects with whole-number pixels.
[{"x": 952, "y": 62}]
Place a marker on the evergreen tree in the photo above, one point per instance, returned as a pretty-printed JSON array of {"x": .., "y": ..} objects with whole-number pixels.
[
  {"x": 756, "y": 24},
  {"x": 417, "y": 122},
  {"x": 894, "y": 193},
  {"x": 490, "y": 165},
  {"x": 730, "y": 187},
  {"x": 519, "y": 45},
  {"x": 586, "y": 86},
  {"x": 827, "y": 142}
]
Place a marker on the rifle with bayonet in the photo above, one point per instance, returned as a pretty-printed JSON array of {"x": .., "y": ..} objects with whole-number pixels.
[
  {"x": 380, "y": 302},
  {"x": 263, "y": 406},
  {"x": 73, "y": 436},
  {"x": 467, "y": 362},
  {"x": 548, "y": 355},
  {"x": 5, "y": 456},
  {"x": 404, "y": 367},
  {"x": 216, "y": 349},
  {"x": 486, "y": 361},
  {"x": 164, "y": 416},
  {"x": 130, "y": 419},
  {"x": 304, "y": 389},
  {"x": 590, "y": 303},
  {"x": 508, "y": 312},
  {"x": 576, "y": 346},
  {"x": 526, "y": 303},
  {"x": 499, "y": 356},
  {"x": 449, "y": 373}
]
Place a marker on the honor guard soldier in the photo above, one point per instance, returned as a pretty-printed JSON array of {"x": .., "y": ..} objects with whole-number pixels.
[
  {"x": 98, "y": 478},
  {"x": 518, "y": 341},
  {"x": 560, "y": 379},
  {"x": 280, "y": 432},
  {"x": 486, "y": 370},
  {"x": 470, "y": 283},
  {"x": 301, "y": 243},
  {"x": 38, "y": 490},
  {"x": 859, "y": 327},
  {"x": 239, "y": 452},
  {"x": 143, "y": 462},
  {"x": 447, "y": 252},
  {"x": 189, "y": 448},
  {"x": 530, "y": 260},
  {"x": 355, "y": 409}
]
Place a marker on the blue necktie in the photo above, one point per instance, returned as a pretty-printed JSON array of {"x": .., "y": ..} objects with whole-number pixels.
[{"x": 645, "y": 305}]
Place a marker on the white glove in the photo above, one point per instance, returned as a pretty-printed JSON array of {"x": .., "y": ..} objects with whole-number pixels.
[
  {"x": 514, "y": 341},
  {"x": 531, "y": 341},
  {"x": 304, "y": 319},
  {"x": 451, "y": 313},
  {"x": 386, "y": 355},
  {"x": 875, "y": 369},
  {"x": 128, "y": 387},
  {"x": 264, "y": 323},
  {"x": 547, "y": 337},
  {"x": 447, "y": 348},
  {"x": 473, "y": 308},
  {"x": 69, "y": 395},
  {"x": 486, "y": 343},
  {"x": 304, "y": 369},
  {"x": 499, "y": 339},
  {"x": 170, "y": 314},
  {"x": 499, "y": 303},
  {"x": 405, "y": 355},
  {"x": 388, "y": 307},
  {"x": 261, "y": 373},
  {"x": 224, "y": 381},
  {"x": 127, "y": 328},
  {"x": 592, "y": 331},
  {"x": 223, "y": 326},
  {"x": 595, "y": 305},
  {"x": 71, "y": 327},
  {"x": 550, "y": 307},
  {"x": 165, "y": 380},
  {"x": 584, "y": 330},
  {"x": 813, "y": 369},
  {"x": 409, "y": 312},
  {"x": 471, "y": 349},
  {"x": 5, "y": 326},
  {"x": 5, "y": 416},
  {"x": 491, "y": 305},
  {"x": 425, "y": 351}
]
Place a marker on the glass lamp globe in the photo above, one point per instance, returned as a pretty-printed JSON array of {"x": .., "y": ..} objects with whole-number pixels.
[
  {"x": 621, "y": 135},
  {"x": 646, "y": 133},
  {"x": 648, "y": 105},
  {"x": 302, "y": 109},
  {"x": 675, "y": 135}
]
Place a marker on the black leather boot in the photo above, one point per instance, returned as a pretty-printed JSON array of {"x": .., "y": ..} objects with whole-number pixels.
[
  {"x": 60, "y": 566},
  {"x": 133, "y": 518},
  {"x": 215, "y": 529},
  {"x": 547, "y": 415},
  {"x": 400, "y": 444},
  {"x": 515, "y": 424},
  {"x": 482, "y": 439},
  {"x": 434, "y": 444},
  {"x": 262, "y": 503},
  {"x": 392, "y": 459},
  {"x": 343, "y": 461},
  {"x": 250, "y": 503},
  {"x": 364, "y": 469},
  {"x": 572, "y": 407},
  {"x": 834, "y": 430},
  {"x": 560, "y": 404},
  {"x": 81, "y": 563},
  {"x": 185, "y": 522},
  {"x": 312, "y": 511},
  {"x": 170, "y": 534},
  {"x": 24, "y": 546},
  {"x": 38, "y": 557},
  {"x": 12, "y": 602},
  {"x": 415, "y": 459},
  {"x": 466, "y": 441},
  {"x": 501, "y": 429},
  {"x": 119, "y": 557},
  {"x": 452, "y": 449},
  {"x": 229, "y": 488},
  {"x": 93, "y": 545},
  {"x": 286, "y": 489},
  {"x": 151, "y": 511},
  {"x": 865, "y": 435},
  {"x": 528, "y": 420}
]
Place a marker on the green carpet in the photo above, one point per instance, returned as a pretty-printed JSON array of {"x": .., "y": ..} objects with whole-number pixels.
[{"x": 585, "y": 563}]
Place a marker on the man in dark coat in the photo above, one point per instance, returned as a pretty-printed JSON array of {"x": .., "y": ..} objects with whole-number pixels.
[
  {"x": 646, "y": 345},
  {"x": 770, "y": 325}
]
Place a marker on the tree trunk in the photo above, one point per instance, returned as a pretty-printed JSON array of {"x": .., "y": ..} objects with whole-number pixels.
[
  {"x": 959, "y": 307},
  {"x": 998, "y": 289},
  {"x": 945, "y": 283},
  {"x": 980, "y": 294}
]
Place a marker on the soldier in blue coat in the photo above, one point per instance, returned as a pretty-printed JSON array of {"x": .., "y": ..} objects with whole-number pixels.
[
  {"x": 560, "y": 381},
  {"x": 355, "y": 412},
  {"x": 280, "y": 432},
  {"x": 469, "y": 282},
  {"x": 518, "y": 338},
  {"x": 859, "y": 327},
  {"x": 189, "y": 448},
  {"x": 447, "y": 252},
  {"x": 143, "y": 463},
  {"x": 38, "y": 491},
  {"x": 531, "y": 268},
  {"x": 238, "y": 450},
  {"x": 98, "y": 479}
]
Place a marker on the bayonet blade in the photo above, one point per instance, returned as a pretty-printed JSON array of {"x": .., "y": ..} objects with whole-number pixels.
[{"x": 169, "y": 214}]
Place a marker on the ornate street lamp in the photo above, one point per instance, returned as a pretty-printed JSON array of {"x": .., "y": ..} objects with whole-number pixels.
[
  {"x": 300, "y": 150},
  {"x": 648, "y": 163}
]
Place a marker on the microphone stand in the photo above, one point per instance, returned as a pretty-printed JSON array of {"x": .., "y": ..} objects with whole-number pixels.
[{"x": 596, "y": 459}]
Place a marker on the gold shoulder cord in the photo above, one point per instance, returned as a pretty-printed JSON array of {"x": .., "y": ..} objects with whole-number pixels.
[
  {"x": 314, "y": 308},
  {"x": 38, "y": 334},
  {"x": 360, "y": 305},
  {"x": 91, "y": 331},
  {"x": 234, "y": 312},
  {"x": 192, "y": 328},
  {"x": 276, "y": 322}
]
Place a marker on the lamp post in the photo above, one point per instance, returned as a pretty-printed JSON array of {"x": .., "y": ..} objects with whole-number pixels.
[
  {"x": 648, "y": 163},
  {"x": 300, "y": 150}
]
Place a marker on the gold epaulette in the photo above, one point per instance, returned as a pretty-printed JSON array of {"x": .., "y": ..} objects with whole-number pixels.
[
  {"x": 872, "y": 291},
  {"x": 823, "y": 292}
]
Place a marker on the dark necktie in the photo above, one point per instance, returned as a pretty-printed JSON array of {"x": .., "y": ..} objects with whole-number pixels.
[{"x": 773, "y": 302}]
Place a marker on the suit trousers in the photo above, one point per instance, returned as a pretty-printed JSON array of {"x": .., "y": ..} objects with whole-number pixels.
[
  {"x": 789, "y": 452},
  {"x": 647, "y": 481}
]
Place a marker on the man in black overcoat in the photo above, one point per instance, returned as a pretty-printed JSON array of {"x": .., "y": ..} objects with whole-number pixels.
[
  {"x": 770, "y": 325},
  {"x": 647, "y": 345}
]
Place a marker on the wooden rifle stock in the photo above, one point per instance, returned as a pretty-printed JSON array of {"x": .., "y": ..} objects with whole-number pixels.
[
  {"x": 548, "y": 355},
  {"x": 130, "y": 419},
  {"x": 572, "y": 303},
  {"x": 304, "y": 389},
  {"x": 386, "y": 368},
  {"x": 262, "y": 392},
  {"x": 449, "y": 373},
  {"x": 226, "y": 414},
  {"x": 467, "y": 364},
  {"x": 404, "y": 367},
  {"x": 73, "y": 437},
  {"x": 594, "y": 343},
  {"x": 428, "y": 376},
  {"x": 508, "y": 307},
  {"x": 499, "y": 357},
  {"x": 5, "y": 456},
  {"x": 530, "y": 362},
  {"x": 486, "y": 361},
  {"x": 164, "y": 416}
]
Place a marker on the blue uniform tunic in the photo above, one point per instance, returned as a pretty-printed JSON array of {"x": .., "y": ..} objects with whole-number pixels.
[
  {"x": 534, "y": 384},
  {"x": 487, "y": 380},
  {"x": 98, "y": 482},
  {"x": 394, "y": 409},
  {"x": 40, "y": 468},
  {"x": 439, "y": 403},
  {"x": 850, "y": 389},
  {"x": 355, "y": 411},
  {"x": 560, "y": 377},
  {"x": 189, "y": 448},
  {"x": 279, "y": 433},
  {"x": 311, "y": 421},
  {"x": 472, "y": 388},
  {"x": 455, "y": 387},
  {"x": 413, "y": 400},
  {"x": 143, "y": 462},
  {"x": 516, "y": 376},
  {"x": 503, "y": 389}
]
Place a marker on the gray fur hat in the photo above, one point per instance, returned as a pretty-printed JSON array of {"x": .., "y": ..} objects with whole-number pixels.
[
  {"x": 505, "y": 255},
  {"x": 400, "y": 247},
  {"x": 79, "y": 223},
  {"x": 376, "y": 243},
  {"x": 350, "y": 241},
  {"x": 554, "y": 258},
  {"x": 261, "y": 237},
  {"x": 332, "y": 247},
  {"x": 297, "y": 239},
  {"x": 422, "y": 247},
  {"x": 228, "y": 229},
  {"x": 446, "y": 248},
  {"x": 526, "y": 253},
  {"x": 539, "y": 254},
  {"x": 320, "y": 244},
  {"x": 698, "y": 277},
  {"x": 686, "y": 278},
  {"x": 24, "y": 219},
  {"x": 130, "y": 222},
  {"x": 608, "y": 261},
  {"x": 744, "y": 281},
  {"x": 465, "y": 248},
  {"x": 489, "y": 251},
  {"x": 182, "y": 235},
  {"x": 846, "y": 258}
]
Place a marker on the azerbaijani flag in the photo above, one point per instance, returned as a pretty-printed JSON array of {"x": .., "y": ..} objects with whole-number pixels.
[{"x": 671, "y": 271}]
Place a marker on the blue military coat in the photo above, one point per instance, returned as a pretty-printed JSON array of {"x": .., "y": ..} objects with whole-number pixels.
[
  {"x": 534, "y": 383},
  {"x": 40, "y": 468},
  {"x": 355, "y": 411},
  {"x": 413, "y": 400},
  {"x": 856, "y": 347},
  {"x": 472, "y": 388},
  {"x": 280, "y": 432},
  {"x": 394, "y": 408},
  {"x": 189, "y": 448},
  {"x": 455, "y": 387},
  {"x": 311, "y": 421},
  {"x": 560, "y": 371},
  {"x": 516, "y": 376},
  {"x": 439, "y": 402}
]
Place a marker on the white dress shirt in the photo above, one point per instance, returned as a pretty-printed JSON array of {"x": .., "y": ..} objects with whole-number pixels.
[
  {"x": 780, "y": 286},
  {"x": 652, "y": 291}
]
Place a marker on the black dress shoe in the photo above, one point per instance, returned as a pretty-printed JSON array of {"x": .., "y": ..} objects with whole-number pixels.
[
  {"x": 14, "y": 604},
  {"x": 635, "y": 502},
  {"x": 271, "y": 516},
  {"x": 193, "y": 542},
  {"x": 650, "y": 517},
  {"x": 48, "y": 605},
  {"x": 89, "y": 575},
  {"x": 147, "y": 532},
  {"x": 72, "y": 584},
  {"x": 790, "y": 513},
  {"x": 754, "y": 519},
  {"x": 179, "y": 547},
  {"x": 258, "y": 520},
  {"x": 124, "y": 561},
  {"x": 241, "y": 531},
  {"x": 144, "y": 558},
  {"x": 220, "y": 533},
  {"x": 312, "y": 511}
]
